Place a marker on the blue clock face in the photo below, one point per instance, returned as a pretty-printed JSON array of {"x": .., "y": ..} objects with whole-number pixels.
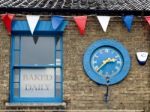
[{"x": 106, "y": 61}]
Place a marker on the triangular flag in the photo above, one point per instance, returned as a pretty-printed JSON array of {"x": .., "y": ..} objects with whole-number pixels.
[
  {"x": 142, "y": 57},
  {"x": 32, "y": 22},
  {"x": 7, "y": 19},
  {"x": 81, "y": 23},
  {"x": 57, "y": 21},
  {"x": 104, "y": 21},
  {"x": 147, "y": 19},
  {"x": 128, "y": 20}
]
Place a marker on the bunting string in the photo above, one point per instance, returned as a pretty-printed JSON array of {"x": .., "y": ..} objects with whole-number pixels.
[{"x": 50, "y": 15}]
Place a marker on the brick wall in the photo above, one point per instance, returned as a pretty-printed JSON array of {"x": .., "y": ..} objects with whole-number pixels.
[
  {"x": 4, "y": 65},
  {"x": 80, "y": 92}
]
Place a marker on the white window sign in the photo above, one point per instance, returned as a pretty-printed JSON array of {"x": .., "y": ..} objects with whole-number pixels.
[{"x": 37, "y": 83}]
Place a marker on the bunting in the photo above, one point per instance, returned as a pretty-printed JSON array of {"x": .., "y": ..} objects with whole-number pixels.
[
  {"x": 128, "y": 21},
  {"x": 104, "y": 21},
  {"x": 142, "y": 57},
  {"x": 57, "y": 21},
  {"x": 7, "y": 20},
  {"x": 147, "y": 19},
  {"x": 32, "y": 22},
  {"x": 81, "y": 23}
]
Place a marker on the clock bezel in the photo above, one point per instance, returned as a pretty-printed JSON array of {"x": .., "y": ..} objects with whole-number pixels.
[{"x": 95, "y": 76}]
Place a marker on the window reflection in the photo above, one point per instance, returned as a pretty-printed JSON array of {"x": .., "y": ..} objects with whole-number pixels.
[{"x": 40, "y": 53}]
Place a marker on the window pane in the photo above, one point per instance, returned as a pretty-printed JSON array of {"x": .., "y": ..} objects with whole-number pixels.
[
  {"x": 58, "y": 74},
  {"x": 58, "y": 89},
  {"x": 37, "y": 82},
  {"x": 16, "y": 89},
  {"x": 58, "y": 43},
  {"x": 16, "y": 57},
  {"x": 16, "y": 73},
  {"x": 58, "y": 58},
  {"x": 17, "y": 42},
  {"x": 40, "y": 53}
]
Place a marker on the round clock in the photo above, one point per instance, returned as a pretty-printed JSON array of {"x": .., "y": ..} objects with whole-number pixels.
[{"x": 106, "y": 62}]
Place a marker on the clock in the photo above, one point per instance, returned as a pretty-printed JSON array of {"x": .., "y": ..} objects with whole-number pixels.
[{"x": 106, "y": 62}]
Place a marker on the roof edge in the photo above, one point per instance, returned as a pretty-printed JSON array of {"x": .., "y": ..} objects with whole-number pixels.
[{"x": 74, "y": 11}]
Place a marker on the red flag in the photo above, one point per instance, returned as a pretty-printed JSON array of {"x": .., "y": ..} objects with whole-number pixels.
[
  {"x": 7, "y": 19},
  {"x": 147, "y": 19},
  {"x": 81, "y": 23}
]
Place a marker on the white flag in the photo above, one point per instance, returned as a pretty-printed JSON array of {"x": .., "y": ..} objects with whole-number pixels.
[
  {"x": 32, "y": 22},
  {"x": 104, "y": 21},
  {"x": 142, "y": 57}
]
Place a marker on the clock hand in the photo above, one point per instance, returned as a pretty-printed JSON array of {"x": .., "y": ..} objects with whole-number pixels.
[
  {"x": 112, "y": 59},
  {"x": 103, "y": 63},
  {"x": 108, "y": 60}
]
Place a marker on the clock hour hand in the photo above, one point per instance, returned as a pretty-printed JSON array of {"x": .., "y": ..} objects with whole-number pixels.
[
  {"x": 108, "y": 60},
  {"x": 111, "y": 59}
]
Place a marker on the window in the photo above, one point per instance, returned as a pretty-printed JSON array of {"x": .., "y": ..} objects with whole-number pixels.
[{"x": 36, "y": 69}]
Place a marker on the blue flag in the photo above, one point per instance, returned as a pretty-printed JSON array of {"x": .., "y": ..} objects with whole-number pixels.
[
  {"x": 57, "y": 21},
  {"x": 128, "y": 20}
]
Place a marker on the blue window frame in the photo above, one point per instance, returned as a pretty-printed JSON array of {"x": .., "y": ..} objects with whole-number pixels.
[{"x": 36, "y": 68}]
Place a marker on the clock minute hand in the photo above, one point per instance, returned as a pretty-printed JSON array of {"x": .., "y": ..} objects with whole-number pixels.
[{"x": 104, "y": 62}]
